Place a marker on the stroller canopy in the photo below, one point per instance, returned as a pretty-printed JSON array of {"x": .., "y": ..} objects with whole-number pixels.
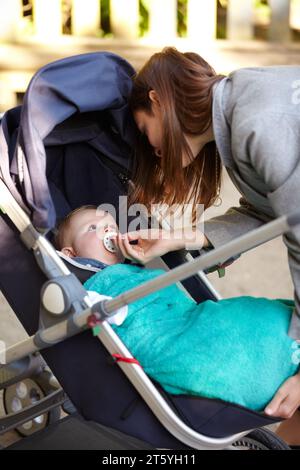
[{"x": 89, "y": 83}]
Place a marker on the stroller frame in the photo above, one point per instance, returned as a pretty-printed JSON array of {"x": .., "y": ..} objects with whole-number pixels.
[{"x": 59, "y": 330}]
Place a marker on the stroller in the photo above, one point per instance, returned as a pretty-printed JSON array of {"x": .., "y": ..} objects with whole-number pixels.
[{"x": 70, "y": 144}]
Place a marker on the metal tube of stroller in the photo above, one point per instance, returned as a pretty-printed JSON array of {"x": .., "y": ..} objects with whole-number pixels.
[{"x": 78, "y": 322}]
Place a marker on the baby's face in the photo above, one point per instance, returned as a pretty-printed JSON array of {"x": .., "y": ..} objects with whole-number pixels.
[{"x": 85, "y": 236}]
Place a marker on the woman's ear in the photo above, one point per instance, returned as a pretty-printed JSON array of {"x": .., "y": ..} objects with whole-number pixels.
[
  {"x": 154, "y": 97},
  {"x": 68, "y": 251}
]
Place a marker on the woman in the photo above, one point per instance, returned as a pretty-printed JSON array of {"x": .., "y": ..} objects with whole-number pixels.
[{"x": 194, "y": 122}]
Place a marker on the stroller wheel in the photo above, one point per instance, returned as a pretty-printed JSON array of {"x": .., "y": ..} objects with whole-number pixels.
[
  {"x": 261, "y": 439},
  {"x": 25, "y": 393}
]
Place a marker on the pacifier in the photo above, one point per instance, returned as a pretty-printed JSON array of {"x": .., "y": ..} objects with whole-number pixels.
[{"x": 108, "y": 243}]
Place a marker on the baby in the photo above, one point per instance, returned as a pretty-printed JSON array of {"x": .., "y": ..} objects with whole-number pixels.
[
  {"x": 235, "y": 349},
  {"x": 85, "y": 235}
]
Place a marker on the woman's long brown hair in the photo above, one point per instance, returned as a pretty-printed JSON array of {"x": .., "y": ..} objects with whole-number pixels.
[{"x": 183, "y": 83}]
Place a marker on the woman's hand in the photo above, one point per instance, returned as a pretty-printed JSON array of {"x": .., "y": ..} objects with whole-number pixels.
[
  {"x": 155, "y": 242},
  {"x": 286, "y": 400},
  {"x": 149, "y": 244}
]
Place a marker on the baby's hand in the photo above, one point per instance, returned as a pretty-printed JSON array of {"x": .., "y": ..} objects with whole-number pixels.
[{"x": 286, "y": 400}]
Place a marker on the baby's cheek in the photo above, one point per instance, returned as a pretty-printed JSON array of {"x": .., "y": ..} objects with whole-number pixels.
[
  {"x": 94, "y": 243},
  {"x": 88, "y": 245}
]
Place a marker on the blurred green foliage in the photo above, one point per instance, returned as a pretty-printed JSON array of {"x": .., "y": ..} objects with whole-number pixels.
[
  {"x": 182, "y": 18},
  {"x": 143, "y": 21},
  {"x": 105, "y": 23},
  {"x": 182, "y": 7},
  {"x": 144, "y": 17}
]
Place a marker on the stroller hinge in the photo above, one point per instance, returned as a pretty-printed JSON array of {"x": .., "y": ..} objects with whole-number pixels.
[{"x": 29, "y": 236}]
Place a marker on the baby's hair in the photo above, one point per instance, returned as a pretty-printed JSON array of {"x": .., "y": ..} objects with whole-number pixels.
[{"x": 64, "y": 224}]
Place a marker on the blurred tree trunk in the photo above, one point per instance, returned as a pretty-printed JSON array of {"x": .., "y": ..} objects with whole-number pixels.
[
  {"x": 163, "y": 19},
  {"x": 86, "y": 17},
  {"x": 240, "y": 20},
  {"x": 202, "y": 20},
  {"x": 124, "y": 18},
  {"x": 10, "y": 18},
  {"x": 47, "y": 17},
  {"x": 279, "y": 30}
]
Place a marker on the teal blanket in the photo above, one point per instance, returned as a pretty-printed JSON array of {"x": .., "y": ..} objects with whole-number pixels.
[{"x": 235, "y": 349}]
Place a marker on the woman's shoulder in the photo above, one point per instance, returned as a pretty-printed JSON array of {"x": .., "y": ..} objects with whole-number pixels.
[
  {"x": 278, "y": 72},
  {"x": 256, "y": 91}
]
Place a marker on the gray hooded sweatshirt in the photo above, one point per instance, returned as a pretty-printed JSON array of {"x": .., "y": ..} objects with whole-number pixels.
[{"x": 256, "y": 123}]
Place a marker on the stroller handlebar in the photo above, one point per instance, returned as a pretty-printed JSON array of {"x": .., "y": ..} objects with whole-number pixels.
[{"x": 293, "y": 219}]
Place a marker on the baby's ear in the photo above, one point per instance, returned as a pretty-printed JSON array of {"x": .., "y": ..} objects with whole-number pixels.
[{"x": 68, "y": 251}]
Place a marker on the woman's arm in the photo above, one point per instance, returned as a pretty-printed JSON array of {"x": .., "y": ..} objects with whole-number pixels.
[
  {"x": 234, "y": 223},
  {"x": 219, "y": 230},
  {"x": 144, "y": 245}
]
